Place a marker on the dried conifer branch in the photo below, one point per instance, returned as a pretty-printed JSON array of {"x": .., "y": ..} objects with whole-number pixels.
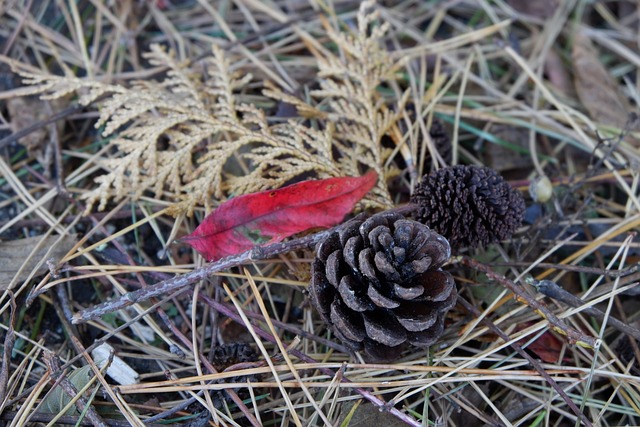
[
  {"x": 188, "y": 135},
  {"x": 349, "y": 84}
]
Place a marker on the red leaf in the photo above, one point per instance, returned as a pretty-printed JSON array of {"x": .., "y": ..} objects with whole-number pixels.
[
  {"x": 270, "y": 216},
  {"x": 547, "y": 346}
]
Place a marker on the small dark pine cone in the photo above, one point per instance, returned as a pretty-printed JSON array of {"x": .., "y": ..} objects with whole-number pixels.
[
  {"x": 470, "y": 205},
  {"x": 378, "y": 284}
]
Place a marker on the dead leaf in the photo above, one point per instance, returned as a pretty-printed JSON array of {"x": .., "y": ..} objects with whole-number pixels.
[
  {"x": 596, "y": 88},
  {"x": 511, "y": 156},
  {"x": 15, "y": 259},
  {"x": 547, "y": 346},
  {"x": 557, "y": 73},
  {"x": 25, "y": 112},
  {"x": 57, "y": 399}
]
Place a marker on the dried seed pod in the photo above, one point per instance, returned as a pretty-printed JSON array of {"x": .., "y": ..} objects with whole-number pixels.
[
  {"x": 469, "y": 205},
  {"x": 378, "y": 284}
]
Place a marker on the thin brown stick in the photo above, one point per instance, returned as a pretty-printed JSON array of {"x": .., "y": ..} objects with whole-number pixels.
[
  {"x": 537, "y": 366},
  {"x": 187, "y": 343},
  {"x": 573, "y": 335},
  {"x": 552, "y": 290},
  {"x": 179, "y": 282},
  {"x": 52, "y": 362},
  {"x": 573, "y": 268}
]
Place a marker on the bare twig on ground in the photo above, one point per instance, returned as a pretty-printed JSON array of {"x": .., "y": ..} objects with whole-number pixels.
[
  {"x": 574, "y": 336},
  {"x": 470, "y": 308},
  {"x": 180, "y": 282},
  {"x": 83, "y": 405},
  {"x": 575, "y": 268},
  {"x": 552, "y": 290}
]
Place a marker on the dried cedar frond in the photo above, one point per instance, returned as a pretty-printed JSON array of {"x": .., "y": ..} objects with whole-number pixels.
[
  {"x": 192, "y": 138},
  {"x": 469, "y": 205},
  {"x": 378, "y": 284}
]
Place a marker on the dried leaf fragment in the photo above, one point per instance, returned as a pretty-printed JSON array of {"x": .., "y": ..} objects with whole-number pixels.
[
  {"x": 19, "y": 257},
  {"x": 598, "y": 92},
  {"x": 118, "y": 370},
  {"x": 57, "y": 399}
]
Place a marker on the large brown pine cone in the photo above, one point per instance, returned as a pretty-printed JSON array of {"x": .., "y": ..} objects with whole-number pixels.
[{"x": 378, "y": 284}]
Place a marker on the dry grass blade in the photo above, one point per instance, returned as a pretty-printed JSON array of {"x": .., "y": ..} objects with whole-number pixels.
[{"x": 165, "y": 109}]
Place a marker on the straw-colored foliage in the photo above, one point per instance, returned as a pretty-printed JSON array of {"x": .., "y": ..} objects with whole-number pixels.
[{"x": 191, "y": 135}]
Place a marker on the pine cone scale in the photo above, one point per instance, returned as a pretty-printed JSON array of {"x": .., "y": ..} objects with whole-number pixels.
[
  {"x": 416, "y": 322},
  {"x": 410, "y": 293},
  {"x": 347, "y": 321},
  {"x": 352, "y": 249},
  {"x": 437, "y": 285},
  {"x": 322, "y": 292},
  {"x": 333, "y": 269},
  {"x": 384, "y": 329},
  {"x": 366, "y": 264},
  {"x": 428, "y": 336},
  {"x": 380, "y": 300},
  {"x": 384, "y": 266},
  {"x": 353, "y": 298}
]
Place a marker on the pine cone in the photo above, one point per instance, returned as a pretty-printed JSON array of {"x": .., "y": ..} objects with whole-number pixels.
[
  {"x": 378, "y": 284},
  {"x": 469, "y": 205}
]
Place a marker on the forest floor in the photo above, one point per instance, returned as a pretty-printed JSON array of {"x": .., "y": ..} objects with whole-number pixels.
[{"x": 123, "y": 124}]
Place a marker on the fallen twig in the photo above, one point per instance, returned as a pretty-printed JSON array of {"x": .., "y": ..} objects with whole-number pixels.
[
  {"x": 52, "y": 362},
  {"x": 179, "y": 282},
  {"x": 473, "y": 310},
  {"x": 573, "y": 335},
  {"x": 575, "y": 268},
  {"x": 552, "y": 290}
]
